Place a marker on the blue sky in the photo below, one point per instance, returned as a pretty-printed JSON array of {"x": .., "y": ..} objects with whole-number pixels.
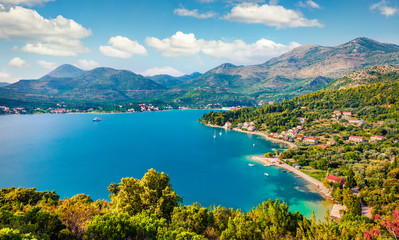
[{"x": 178, "y": 36}]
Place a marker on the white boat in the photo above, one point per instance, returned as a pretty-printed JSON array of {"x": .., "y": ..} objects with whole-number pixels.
[
  {"x": 253, "y": 145},
  {"x": 214, "y": 136},
  {"x": 266, "y": 174},
  {"x": 97, "y": 119},
  {"x": 251, "y": 165},
  {"x": 220, "y": 133}
]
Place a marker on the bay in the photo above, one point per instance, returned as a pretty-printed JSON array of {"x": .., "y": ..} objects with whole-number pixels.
[{"x": 71, "y": 154}]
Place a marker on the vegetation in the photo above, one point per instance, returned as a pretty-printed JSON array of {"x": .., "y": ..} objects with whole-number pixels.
[
  {"x": 371, "y": 168},
  {"x": 149, "y": 209}
]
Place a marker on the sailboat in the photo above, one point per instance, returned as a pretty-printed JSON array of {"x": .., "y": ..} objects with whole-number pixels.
[{"x": 97, "y": 119}]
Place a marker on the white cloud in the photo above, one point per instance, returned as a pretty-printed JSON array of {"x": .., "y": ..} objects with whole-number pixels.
[
  {"x": 193, "y": 13},
  {"x": 206, "y": 1},
  {"x": 122, "y": 47},
  {"x": 180, "y": 44},
  {"x": 17, "y": 63},
  {"x": 87, "y": 64},
  {"x": 240, "y": 52},
  {"x": 57, "y": 37},
  {"x": 4, "y": 77},
  {"x": 308, "y": 4},
  {"x": 162, "y": 70},
  {"x": 47, "y": 65},
  {"x": 270, "y": 15},
  {"x": 25, "y": 2},
  {"x": 384, "y": 9}
]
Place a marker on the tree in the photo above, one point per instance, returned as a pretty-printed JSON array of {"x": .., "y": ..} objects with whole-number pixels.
[
  {"x": 350, "y": 179},
  {"x": 153, "y": 194}
]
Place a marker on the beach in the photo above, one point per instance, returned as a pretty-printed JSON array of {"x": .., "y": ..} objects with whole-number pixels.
[
  {"x": 273, "y": 161},
  {"x": 277, "y": 163}
]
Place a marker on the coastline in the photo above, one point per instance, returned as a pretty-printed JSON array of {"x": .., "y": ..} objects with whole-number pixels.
[{"x": 325, "y": 192}]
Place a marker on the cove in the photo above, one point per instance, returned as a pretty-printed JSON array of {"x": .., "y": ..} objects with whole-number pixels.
[{"x": 71, "y": 154}]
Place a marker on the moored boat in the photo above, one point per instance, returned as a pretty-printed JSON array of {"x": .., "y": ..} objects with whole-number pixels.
[{"x": 97, "y": 119}]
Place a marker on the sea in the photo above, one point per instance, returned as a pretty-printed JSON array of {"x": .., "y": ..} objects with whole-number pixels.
[{"x": 71, "y": 154}]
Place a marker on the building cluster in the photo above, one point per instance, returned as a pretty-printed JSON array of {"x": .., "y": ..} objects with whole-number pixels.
[
  {"x": 349, "y": 117},
  {"x": 249, "y": 126},
  {"x": 290, "y": 134},
  {"x": 17, "y": 110},
  {"x": 59, "y": 110},
  {"x": 148, "y": 108}
]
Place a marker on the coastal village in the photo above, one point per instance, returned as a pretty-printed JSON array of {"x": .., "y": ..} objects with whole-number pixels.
[{"x": 297, "y": 136}]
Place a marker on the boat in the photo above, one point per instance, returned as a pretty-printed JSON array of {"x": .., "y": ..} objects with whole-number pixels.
[
  {"x": 251, "y": 165},
  {"x": 220, "y": 133},
  {"x": 283, "y": 170},
  {"x": 97, "y": 119},
  {"x": 266, "y": 174},
  {"x": 253, "y": 145},
  {"x": 267, "y": 165},
  {"x": 214, "y": 136}
]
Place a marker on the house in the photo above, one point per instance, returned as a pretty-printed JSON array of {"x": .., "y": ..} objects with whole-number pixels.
[
  {"x": 323, "y": 146},
  {"x": 227, "y": 125},
  {"x": 331, "y": 142},
  {"x": 347, "y": 115},
  {"x": 297, "y": 166},
  {"x": 357, "y": 139},
  {"x": 246, "y": 125},
  {"x": 301, "y": 120},
  {"x": 251, "y": 128},
  {"x": 335, "y": 179},
  {"x": 355, "y": 121},
  {"x": 377, "y": 138},
  {"x": 300, "y": 138},
  {"x": 337, "y": 113},
  {"x": 311, "y": 140}
]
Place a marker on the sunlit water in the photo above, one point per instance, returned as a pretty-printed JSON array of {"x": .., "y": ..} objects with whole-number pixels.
[{"x": 71, "y": 154}]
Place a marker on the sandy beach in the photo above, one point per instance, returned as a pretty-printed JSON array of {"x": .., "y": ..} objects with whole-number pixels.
[{"x": 273, "y": 161}]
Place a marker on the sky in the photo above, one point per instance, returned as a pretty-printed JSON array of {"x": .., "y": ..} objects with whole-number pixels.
[{"x": 177, "y": 37}]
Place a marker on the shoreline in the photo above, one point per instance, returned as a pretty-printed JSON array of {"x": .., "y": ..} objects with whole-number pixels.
[{"x": 325, "y": 192}]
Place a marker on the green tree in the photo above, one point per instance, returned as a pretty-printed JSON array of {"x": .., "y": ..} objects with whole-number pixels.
[{"x": 153, "y": 194}]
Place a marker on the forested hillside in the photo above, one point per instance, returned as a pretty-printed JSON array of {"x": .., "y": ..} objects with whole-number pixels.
[{"x": 150, "y": 209}]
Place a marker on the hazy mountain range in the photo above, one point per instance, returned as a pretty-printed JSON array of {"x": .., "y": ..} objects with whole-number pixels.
[{"x": 299, "y": 71}]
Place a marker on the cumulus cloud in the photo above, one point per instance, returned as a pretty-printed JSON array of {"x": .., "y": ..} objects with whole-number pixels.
[
  {"x": 25, "y": 2},
  {"x": 4, "y": 77},
  {"x": 56, "y": 37},
  {"x": 180, "y": 44},
  {"x": 238, "y": 51},
  {"x": 162, "y": 70},
  {"x": 384, "y": 9},
  {"x": 87, "y": 64},
  {"x": 308, "y": 4},
  {"x": 122, "y": 47},
  {"x": 47, "y": 65},
  {"x": 206, "y": 1},
  {"x": 17, "y": 63},
  {"x": 193, "y": 13},
  {"x": 270, "y": 15}
]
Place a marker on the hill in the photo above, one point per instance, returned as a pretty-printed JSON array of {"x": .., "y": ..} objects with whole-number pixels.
[
  {"x": 382, "y": 74},
  {"x": 100, "y": 84},
  {"x": 299, "y": 71},
  {"x": 3, "y": 84},
  {"x": 170, "y": 81},
  {"x": 65, "y": 71}
]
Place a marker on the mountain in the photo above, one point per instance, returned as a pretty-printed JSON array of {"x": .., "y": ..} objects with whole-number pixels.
[
  {"x": 3, "y": 84},
  {"x": 100, "y": 84},
  {"x": 65, "y": 71},
  {"x": 377, "y": 74},
  {"x": 302, "y": 70},
  {"x": 169, "y": 81},
  {"x": 299, "y": 71}
]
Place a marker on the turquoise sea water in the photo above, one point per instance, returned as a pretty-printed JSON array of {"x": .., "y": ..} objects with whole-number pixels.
[{"x": 71, "y": 154}]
